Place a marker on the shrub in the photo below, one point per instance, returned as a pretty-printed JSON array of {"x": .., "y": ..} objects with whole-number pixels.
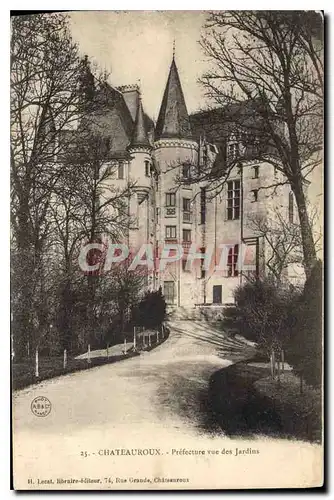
[
  {"x": 151, "y": 310},
  {"x": 263, "y": 313}
]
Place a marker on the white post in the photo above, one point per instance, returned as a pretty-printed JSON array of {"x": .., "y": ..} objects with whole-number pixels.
[
  {"x": 124, "y": 345},
  {"x": 157, "y": 335},
  {"x": 149, "y": 339},
  {"x": 36, "y": 366},
  {"x": 65, "y": 358},
  {"x": 134, "y": 339},
  {"x": 279, "y": 370},
  {"x": 272, "y": 364},
  {"x": 88, "y": 354}
]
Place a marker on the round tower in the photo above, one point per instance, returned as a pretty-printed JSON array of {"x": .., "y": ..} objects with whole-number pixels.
[
  {"x": 140, "y": 150},
  {"x": 141, "y": 199},
  {"x": 176, "y": 155}
]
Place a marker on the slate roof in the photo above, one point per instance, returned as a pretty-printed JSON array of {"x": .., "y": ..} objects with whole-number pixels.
[
  {"x": 216, "y": 126},
  {"x": 139, "y": 137},
  {"x": 173, "y": 121}
]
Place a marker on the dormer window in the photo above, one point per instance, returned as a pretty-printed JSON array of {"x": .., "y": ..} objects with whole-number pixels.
[
  {"x": 205, "y": 155},
  {"x": 186, "y": 171},
  {"x": 232, "y": 151},
  {"x": 121, "y": 170},
  {"x": 47, "y": 136}
]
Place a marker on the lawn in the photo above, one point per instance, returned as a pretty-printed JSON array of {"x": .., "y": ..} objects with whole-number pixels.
[
  {"x": 301, "y": 413},
  {"x": 246, "y": 401},
  {"x": 23, "y": 372}
]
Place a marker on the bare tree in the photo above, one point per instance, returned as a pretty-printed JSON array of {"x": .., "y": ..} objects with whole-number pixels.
[
  {"x": 267, "y": 71},
  {"x": 283, "y": 240},
  {"x": 45, "y": 71},
  {"x": 87, "y": 207}
]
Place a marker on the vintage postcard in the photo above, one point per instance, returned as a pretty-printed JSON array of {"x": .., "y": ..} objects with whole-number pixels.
[{"x": 166, "y": 250}]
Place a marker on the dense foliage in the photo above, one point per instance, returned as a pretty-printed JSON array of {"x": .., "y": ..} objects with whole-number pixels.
[
  {"x": 151, "y": 310},
  {"x": 61, "y": 197},
  {"x": 304, "y": 349}
]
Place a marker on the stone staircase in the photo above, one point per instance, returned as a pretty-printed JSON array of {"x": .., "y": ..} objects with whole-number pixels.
[
  {"x": 183, "y": 313},
  {"x": 197, "y": 313}
]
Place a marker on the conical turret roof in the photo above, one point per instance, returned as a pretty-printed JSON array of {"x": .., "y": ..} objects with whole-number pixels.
[
  {"x": 173, "y": 121},
  {"x": 140, "y": 137}
]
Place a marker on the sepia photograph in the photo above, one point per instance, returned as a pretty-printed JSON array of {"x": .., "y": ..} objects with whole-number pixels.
[{"x": 166, "y": 240}]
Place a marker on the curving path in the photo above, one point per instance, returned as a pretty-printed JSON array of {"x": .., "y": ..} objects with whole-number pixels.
[
  {"x": 156, "y": 400},
  {"x": 167, "y": 384}
]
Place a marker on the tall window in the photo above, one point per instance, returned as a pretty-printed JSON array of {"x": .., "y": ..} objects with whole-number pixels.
[
  {"x": 217, "y": 294},
  {"x": 256, "y": 172},
  {"x": 233, "y": 200},
  {"x": 170, "y": 232},
  {"x": 203, "y": 205},
  {"x": 291, "y": 207},
  {"x": 186, "y": 204},
  {"x": 170, "y": 199},
  {"x": 169, "y": 291},
  {"x": 186, "y": 171},
  {"x": 232, "y": 260},
  {"x": 232, "y": 150},
  {"x": 147, "y": 168},
  {"x": 121, "y": 170},
  {"x": 186, "y": 209},
  {"x": 255, "y": 193},
  {"x": 186, "y": 235},
  {"x": 203, "y": 263}
]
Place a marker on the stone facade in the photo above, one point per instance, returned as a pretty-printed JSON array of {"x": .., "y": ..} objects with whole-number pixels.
[{"x": 169, "y": 208}]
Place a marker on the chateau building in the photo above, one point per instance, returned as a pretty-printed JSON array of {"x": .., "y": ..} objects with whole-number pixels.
[{"x": 172, "y": 203}]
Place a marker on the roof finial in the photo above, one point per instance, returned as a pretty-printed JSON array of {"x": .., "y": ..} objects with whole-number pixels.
[{"x": 174, "y": 48}]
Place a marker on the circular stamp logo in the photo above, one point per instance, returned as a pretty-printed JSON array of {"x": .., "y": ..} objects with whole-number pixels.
[{"x": 41, "y": 406}]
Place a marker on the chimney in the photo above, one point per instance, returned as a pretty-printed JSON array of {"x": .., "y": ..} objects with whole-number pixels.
[{"x": 131, "y": 98}]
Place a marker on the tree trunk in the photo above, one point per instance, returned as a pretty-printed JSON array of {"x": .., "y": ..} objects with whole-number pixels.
[{"x": 309, "y": 252}]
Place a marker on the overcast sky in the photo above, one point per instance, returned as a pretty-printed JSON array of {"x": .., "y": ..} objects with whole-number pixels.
[
  {"x": 138, "y": 45},
  {"x": 135, "y": 46}
]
